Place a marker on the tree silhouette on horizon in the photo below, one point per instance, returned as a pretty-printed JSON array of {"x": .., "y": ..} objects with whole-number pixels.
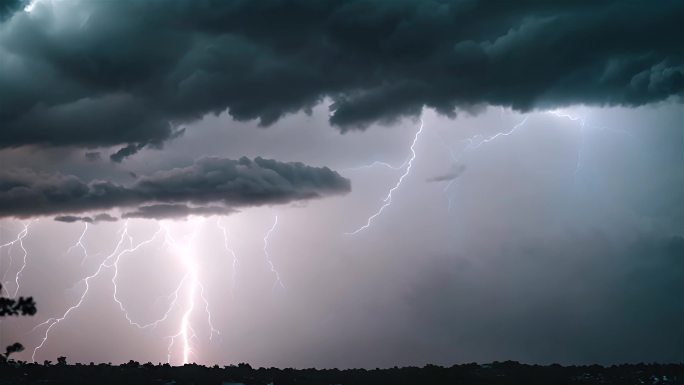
[{"x": 21, "y": 306}]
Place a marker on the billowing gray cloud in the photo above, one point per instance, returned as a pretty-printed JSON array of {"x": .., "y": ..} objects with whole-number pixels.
[
  {"x": 163, "y": 211},
  {"x": 104, "y": 217},
  {"x": 206, "y": 183},
  {"x": 105, "y": 73},
  {"x": 9, "y": 7},
  {"x": 125, "y": 152}
]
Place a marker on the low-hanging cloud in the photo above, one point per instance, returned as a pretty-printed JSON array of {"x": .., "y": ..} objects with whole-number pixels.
[
  {"x": 209, "y": 185},
  {"x": 104, "y": 217},
  {"x": 165, "y": 211},
  {"x": 131, "y": 74}
]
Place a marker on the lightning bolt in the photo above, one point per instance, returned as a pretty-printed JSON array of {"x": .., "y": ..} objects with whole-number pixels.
[
  {"x": 378, "y": 163},
  {"x": 186, "y": 332},
  {"x": 79, "y": 244},
  {"x": 388, "y": 199},
  {"x": 583, "y": 124},
  {"x": 477, "y": 141},
  {"x": 86, "y": 280},
  {"x": 19, "y": 240},
  {"x": 231, "y": 251},
  {"x": 268, "y": 256},
  {"x": 472, "y": 144},
  {"x": 496, "y": 136},
  {"x": 189, "y": 287},
  {"x": 115, "y": 296},
  {"x": 212, "y": 330}
]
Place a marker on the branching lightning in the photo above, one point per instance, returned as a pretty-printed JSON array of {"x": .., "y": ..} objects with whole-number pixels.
[
  {"x": 19, "y": 240},
  {"x": 268, "y": 256},
  {"x": 86, "y": 280},
  {"x": 190, "y": 282},
  {"x": 477, "y": 141},
  {"x": 185, "y": 332},
  {"x": 388, "y": 199},
  {"x": 79, "y": 244},
  {"x": 115, "y": 296}
]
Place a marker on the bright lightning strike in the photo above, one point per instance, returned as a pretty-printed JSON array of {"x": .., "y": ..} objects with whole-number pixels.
[
  {"x": 268, "y": 256},
  {"x": 189, "y": 287},
  {"x": 388, "y": 199},
  {"x": 19, "y": 240},
  {"x": 86, "y": 280},
  {"x": 186, "y": 333},
  {"x": 185, "y": 328},
  {"x": 111, "y": 261}
]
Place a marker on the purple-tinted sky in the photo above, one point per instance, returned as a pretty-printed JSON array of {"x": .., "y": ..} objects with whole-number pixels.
[{"x": 208, "y": 182}]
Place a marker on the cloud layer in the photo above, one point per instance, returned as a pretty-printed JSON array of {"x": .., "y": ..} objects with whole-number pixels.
[
  {"x": 128, "y": 73},
  {"x": 209, "y": 186}
]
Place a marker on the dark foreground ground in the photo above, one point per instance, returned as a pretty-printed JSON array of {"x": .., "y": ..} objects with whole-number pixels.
[{"x": 490, "y": 374}]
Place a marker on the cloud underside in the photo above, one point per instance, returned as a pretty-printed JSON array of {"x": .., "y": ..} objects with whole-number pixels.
[
  {"x": 207, "y": 187},
  {"x": 132, "y": 74}
]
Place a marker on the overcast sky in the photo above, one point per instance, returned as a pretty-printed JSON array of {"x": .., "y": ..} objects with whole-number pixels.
[{"x": 226, "y": 167}]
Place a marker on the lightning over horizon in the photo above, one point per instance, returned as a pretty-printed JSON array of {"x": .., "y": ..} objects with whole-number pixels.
[
  {"x": 9, "y": 245},
  {"x": 125, "y": 246},
  {"x": 339, "y": 184},
  {"x": 388, "y": 199}
]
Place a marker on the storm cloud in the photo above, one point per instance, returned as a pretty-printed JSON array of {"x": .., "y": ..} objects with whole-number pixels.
[
  {"x": 9, "y": 7},
  {"x": 104, "y": 217},
  {"x": 206, "y": 183},
  {"x": 132, "y": 74},
  {"x": 163, "y": 211}
]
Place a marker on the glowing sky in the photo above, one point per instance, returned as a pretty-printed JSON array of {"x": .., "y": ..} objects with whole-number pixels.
[{"x": 216, "y": 170}]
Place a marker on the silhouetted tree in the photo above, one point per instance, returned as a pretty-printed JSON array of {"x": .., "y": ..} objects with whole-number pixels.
[
  {"x": 11, "y": 307},
  {"x": 14, "y": 348},
  {"x": 16, "y": 306}
]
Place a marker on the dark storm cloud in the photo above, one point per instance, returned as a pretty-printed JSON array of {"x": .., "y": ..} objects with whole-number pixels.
[
  {"x": 125, "y": 152},
  {"x": 164, "y": 211},
  {"x": 105, "y": 73},
  {"x": 97, "y": 218},
  {"x": 217, "y": 181},
  {"x": 9, "y": 7}
]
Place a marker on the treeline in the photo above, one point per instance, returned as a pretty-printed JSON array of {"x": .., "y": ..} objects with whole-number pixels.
[{"x": 497, "y": 373}]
